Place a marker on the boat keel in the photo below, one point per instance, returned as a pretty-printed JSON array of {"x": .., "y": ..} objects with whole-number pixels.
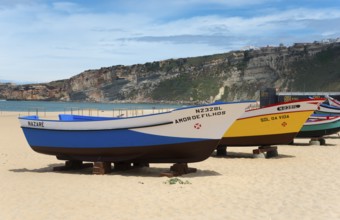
[{"x": 101, "y": 168}]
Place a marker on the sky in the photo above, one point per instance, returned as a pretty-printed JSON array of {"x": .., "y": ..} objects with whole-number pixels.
[{"x": 47, "y": 40}]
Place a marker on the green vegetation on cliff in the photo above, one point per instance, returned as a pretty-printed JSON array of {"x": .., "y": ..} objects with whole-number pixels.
[
  {"x": 319, "y": 73},
  {"x": 185, "y": 87}
]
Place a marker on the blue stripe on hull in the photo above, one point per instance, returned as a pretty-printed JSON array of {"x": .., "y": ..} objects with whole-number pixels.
[{"x": 98, "y": 139}]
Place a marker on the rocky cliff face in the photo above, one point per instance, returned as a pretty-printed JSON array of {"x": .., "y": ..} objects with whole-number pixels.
[{"x": 230, "y": 76}]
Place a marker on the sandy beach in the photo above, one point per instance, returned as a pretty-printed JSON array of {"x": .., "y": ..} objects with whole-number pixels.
[{"x": 301, "y": 183}]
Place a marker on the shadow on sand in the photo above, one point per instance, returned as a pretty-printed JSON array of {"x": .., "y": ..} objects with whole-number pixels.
[
  {"x": 235, "y": 155},
  {"x": 308, "y": 145},
  {"x": 49, "y": 169},
  {"x": 134, "y": 171},
  {"x": 305, "y": 141}
]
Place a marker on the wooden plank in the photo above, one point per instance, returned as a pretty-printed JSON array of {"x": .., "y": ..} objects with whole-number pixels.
[
  {"x": 179, "y": 169},
  {"x": 101, "y": 168}
]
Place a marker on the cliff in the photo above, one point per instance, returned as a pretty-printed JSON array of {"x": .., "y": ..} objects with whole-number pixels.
[{"x": 229, "y": 76}]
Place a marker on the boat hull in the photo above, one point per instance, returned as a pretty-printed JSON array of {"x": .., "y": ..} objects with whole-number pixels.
[
  {"x": 329, "y": 110},
  {"x": 119, "y": 145},
  {"x": 169, "y": 153},
  {"x": 269, "y": 125},
  {"x": 317, "y": 133},
  {"x": 182, "y": 135},
  {"x": 259, "y": 140},
  {"x": 320, "y": 127}
]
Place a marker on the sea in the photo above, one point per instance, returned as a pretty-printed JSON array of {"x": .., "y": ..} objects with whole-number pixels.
[{"x": 50, "y": 106}]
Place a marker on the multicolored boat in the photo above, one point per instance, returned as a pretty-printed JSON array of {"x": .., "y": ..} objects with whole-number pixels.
[
  {"x": 274, "y": 124},
  {"x": 318, "y": 126},
  {"x": 333, "y": 102},
  {"x": 328, "y": 110},
  {"x": 182, "y": 135}
]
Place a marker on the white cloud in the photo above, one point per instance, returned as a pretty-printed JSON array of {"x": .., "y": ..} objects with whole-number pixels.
[
  {"x": 45, "y": 43},
  {"x": 223, "y": 32}
]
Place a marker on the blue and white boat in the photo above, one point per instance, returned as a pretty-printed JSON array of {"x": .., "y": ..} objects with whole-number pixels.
[
  {"x": 328, "y": 110},
  {"x": 182, "y": 135}
]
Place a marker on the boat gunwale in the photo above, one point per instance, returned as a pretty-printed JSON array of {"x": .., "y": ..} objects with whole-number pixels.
[
  {"x": 285, "y": 103},
  {"x": 101, "y": 118},
  {"x": 215, "y": 103},
  {"x": 106, "y": 129},
  {"x": 138, "y": 116}
]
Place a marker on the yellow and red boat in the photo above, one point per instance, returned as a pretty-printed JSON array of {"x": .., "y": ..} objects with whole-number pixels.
[{"x": 274, "y": 124}]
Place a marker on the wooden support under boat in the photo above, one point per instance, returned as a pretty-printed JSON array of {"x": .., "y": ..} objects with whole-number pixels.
[
  {"x": 101, "y": 167},
  {"x": 221, "y": 151},
  {"x": 73, "y": 165},
  {"x": 317, "y": 141},
  {"x": 179, "y": 169},
  {"x": 269, "y": 151}
]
